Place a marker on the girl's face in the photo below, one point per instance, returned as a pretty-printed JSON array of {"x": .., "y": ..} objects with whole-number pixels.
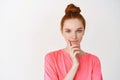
[{"x": 73, "y": 31}]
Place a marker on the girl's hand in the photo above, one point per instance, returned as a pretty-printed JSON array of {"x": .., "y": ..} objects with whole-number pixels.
[{"x": 74, "y": 51}]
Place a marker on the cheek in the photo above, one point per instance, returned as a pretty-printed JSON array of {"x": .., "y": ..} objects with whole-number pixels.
[
  {"x": 66, "y": 36},
  {"x": 80, "y": 36}
]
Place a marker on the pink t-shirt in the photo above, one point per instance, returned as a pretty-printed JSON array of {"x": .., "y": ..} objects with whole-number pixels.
[{"x": 58, "y": 63}]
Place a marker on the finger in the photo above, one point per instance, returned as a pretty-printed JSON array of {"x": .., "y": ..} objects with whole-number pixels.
[
  {"x": 75, "y": 46},
  {"x": 76, "y": 50},
  {"x": 69, "y": 43}
]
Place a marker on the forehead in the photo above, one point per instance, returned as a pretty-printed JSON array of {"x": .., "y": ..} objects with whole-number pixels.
[{"x": 73, "y": 24}]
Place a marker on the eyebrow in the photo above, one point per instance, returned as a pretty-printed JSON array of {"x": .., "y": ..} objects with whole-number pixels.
[
  {"x": 80, "y": 28},
  {"x": 77, "y": 28}
]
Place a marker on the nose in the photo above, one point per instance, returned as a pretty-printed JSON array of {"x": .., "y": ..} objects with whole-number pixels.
[{"x": 74, "y": 35}]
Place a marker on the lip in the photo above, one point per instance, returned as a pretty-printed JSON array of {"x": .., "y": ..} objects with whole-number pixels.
[{"x": 74, "y": 40}]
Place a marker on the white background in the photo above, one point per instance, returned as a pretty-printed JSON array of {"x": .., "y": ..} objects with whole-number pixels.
[{"x": 29, "y": 29}]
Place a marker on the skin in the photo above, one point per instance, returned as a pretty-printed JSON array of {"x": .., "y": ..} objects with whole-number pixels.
[{"x": 73, "y": 31}]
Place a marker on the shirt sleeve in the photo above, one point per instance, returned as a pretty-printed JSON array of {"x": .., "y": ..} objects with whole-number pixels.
[
  {"x": 49, "y": 68},
  {"x": 96, "y": 72}
]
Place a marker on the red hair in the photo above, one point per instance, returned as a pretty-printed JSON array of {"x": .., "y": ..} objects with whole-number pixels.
[{"x": 72, "y": 12}]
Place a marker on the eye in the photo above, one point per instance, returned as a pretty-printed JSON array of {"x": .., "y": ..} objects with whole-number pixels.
[
  {"x": 79, "y": 31},
  {"x": 68, "y": 31}
]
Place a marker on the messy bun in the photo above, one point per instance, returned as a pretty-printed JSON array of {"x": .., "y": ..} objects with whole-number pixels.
[
  {"x": 72, "y": 12},
  {"x": 71, "y": 9}
]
